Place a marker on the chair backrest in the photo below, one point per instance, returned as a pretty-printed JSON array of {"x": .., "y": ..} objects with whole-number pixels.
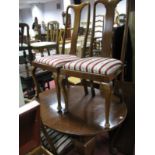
[
  {"x": 110, "y": 6},
  {"x": 76, "y": 24},
  {"x": 53, "y": 31},
  {"x": 24, "y": 36},
  {"x": 97, "y": 34}
]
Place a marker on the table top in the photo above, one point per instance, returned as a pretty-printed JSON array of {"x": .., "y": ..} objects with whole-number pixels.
[
  {"x": 42, "y": 44},
  {"x": 86, "y": 114}
]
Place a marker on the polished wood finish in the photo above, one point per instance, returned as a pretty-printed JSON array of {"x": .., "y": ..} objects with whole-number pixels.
[
  {"x": 123, "y": 138},
  {"x": 77, "y": 10},
  {"x": 104, "y": 80},
  {"x": 85, "y": 116}
]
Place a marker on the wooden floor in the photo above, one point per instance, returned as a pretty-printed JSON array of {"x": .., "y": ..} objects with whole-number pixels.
[{"x": 86, "y": 114}]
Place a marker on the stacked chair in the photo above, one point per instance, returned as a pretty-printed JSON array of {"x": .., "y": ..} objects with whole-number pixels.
[
  {"x": 52, "y": 39},
  {"x": 26, "y": 56},
  {"x": 54, "y": 63},
  {"x": 103, "y": 70}
]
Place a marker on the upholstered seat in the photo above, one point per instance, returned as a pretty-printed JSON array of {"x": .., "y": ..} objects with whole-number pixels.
[
  {"x": 54, "y": 63},
  {"x": 97, "y": 65},
  {"x": 56, "y": 60}
]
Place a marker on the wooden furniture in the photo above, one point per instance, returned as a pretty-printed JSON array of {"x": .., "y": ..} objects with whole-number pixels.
[
  {"x": 123, "y": 138},
  {"x": 97, "y": 35},
  {"x": 25, "y": 67},
  {"x": 43, "y": 77},
  {"x": 67, "y": 23},
  {"x": 29, "y": 130},
  {"x": 56, "y": 62},
  {"x": 101, "y": 69},
  {"x": 24, "y": 44},
  {"x": 85, "y": 118},
  {"x": 56, "y": 142},
  {"x": 52, "y": 39}
]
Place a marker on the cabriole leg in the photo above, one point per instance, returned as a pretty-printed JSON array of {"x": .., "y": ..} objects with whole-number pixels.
[
  {"x": 62, "y": 82},
  {"x": 106, "y": 89},
  {"x": 58, "y": 91},
  {"x": 35, "y": 82}
]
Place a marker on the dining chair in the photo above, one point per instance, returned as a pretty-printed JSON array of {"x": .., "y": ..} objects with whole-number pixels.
[
  {"x": 25, "y": 51},
  {"x": 56, "y": 142},
  {"x": 52, "y": 40},
  {"x": 97, "y": 35},
  {"x": 25, "y": 58},
  {"x": 102, "y": 69},
  {"x": 55, "y": 62}
]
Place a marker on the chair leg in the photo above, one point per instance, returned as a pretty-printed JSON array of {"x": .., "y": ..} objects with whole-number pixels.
[
  {"x": 57, "y": 49},
  {"x": 58, "y": 90},
  {"x": 107, "y": 90},
  {"x": 48, "y": 51},
  {"x": 35, "y": 82},
  {"x": 85, "y": 86},
  {"x": 92, "y": 89},
  {"x": 62, "y": 83}
]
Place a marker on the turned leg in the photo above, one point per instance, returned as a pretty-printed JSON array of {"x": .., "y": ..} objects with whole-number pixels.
[
  {"x": 62, "y": 83},
  {"x": 85, "y": 86},
  {"x": 35, "y": 82},
  {"x": 58, "y": 90},
  {"x": 106, "y": 89}
]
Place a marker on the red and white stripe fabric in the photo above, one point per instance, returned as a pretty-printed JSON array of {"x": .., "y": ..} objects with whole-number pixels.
[
  {"x": 97, "y": 65},
  {"x": 56, "y": 60}
]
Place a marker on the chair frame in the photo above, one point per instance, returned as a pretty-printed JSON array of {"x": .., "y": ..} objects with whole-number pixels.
[
  {"x": 53, "y": 33},
  {"x": 24, "y": 26},
  {"x": 48, "y": 44},
  {"x": 105, "y": 85},
  {"x": 56, "y": 71}
]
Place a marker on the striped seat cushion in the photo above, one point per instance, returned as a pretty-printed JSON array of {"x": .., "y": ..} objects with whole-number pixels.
[
  {"x": 56, "y": 60},
  {"x": 97, "y": 65}
]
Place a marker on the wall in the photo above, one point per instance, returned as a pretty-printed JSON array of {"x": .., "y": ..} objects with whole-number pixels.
[
  {"x": 46, "y": 12},
  {"x": 26, "y": 15},
  {"x": 50, "y": 11}
]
